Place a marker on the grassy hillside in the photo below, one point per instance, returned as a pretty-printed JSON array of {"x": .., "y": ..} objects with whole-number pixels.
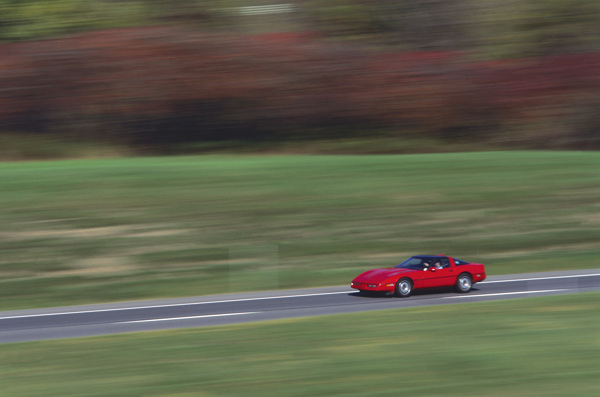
[
  {"x": 103, "y": 230},
  {"x": 527, "y": 347}
]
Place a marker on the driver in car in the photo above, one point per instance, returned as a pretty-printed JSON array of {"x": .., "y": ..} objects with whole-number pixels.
[{"x": 428, "y": 266}]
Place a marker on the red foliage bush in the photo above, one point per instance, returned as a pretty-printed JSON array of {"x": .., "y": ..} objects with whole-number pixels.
[{"x": 161, "y": 85}]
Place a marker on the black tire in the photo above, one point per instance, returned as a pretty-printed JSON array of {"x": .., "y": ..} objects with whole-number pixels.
[
  {"x": 404, "y": 287},
  {"x": 464, "y": 283}
]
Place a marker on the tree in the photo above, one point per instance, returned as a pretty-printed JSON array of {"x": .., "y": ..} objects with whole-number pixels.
[
  {"x": 414, "y": 25},
  {"x": 530, "y": 28},
  {"x": 25, "y": 20}
]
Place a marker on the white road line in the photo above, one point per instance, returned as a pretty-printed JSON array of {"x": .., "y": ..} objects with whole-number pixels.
[
  {"x": 504, "y": 293},
  {"x": 255, "y": 299},
  {"x": 538, "y": 278},
  {"x": 184, "y": 318},
  {"x": 171, "y": 305}
]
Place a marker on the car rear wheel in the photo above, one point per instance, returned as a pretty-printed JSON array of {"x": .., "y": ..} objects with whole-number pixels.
[
  {"x": 404, "y": 287},
  {"x": 464, "y": 282}
]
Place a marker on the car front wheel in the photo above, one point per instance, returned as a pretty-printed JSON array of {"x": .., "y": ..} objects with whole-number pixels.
[
  {"x": 464, "y": 282},
  {"x": 404, "y": 287}
]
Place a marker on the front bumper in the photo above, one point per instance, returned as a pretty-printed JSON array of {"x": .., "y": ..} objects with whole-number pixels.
[{"x": 372, "y": 287}]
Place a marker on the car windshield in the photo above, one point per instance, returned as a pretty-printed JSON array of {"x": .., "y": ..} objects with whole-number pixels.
[{"x": 416, "y": 263}]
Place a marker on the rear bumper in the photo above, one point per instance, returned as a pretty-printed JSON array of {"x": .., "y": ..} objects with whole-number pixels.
[{"x": 477, "y": 277}]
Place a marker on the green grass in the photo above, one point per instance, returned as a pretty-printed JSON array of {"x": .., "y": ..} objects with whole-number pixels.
[
  {"x": 527, "y": 347},
  {"x": 18, "y": 147},
  {"x": 84, "y": 231}
]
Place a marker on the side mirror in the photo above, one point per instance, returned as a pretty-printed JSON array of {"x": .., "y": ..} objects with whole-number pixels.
[{"x": 433, "y": 269}]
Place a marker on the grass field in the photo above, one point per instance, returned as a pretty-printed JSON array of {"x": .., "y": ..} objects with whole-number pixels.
[
  {"x": 88, "y": 231},
  {"x": 546, "y": 346}
]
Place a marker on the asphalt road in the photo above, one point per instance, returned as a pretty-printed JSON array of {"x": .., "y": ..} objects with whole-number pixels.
[{"x": 80, "y": 321}]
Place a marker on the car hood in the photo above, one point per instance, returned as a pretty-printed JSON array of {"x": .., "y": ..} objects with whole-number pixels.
[{"x": 379, "y": 275}]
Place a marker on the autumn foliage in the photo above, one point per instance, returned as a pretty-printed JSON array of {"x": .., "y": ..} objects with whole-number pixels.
[{"x": 154, "y": 86}]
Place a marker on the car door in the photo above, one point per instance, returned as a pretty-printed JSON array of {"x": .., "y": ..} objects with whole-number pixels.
[{"x": 442, "y": 276}]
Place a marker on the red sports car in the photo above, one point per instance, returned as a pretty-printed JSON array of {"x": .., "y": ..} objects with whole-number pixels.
[{"x": 421, "y": 271}]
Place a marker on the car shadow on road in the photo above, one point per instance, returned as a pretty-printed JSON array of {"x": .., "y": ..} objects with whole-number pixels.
[{"x": 391, "y": 295}]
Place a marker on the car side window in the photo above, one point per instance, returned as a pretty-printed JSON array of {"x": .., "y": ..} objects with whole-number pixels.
[
  {"x": 445, "y": 263},
  {"x": 418, "y": 264}
]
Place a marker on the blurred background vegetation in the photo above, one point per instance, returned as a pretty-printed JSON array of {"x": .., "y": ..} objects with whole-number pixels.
[
  {"x": 502, "y": 28},
  {"x": 191, "y": 76}
]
